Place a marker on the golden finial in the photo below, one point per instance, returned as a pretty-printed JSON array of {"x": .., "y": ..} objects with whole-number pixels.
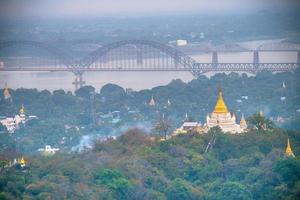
[{"x": 289, "y": 151}]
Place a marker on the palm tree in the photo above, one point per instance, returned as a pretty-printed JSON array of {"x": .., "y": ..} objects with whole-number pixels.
[{"x": 259, "y": 121}]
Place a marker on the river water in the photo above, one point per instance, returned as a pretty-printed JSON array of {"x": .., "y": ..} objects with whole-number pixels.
[{"x": 135, "y": 80}]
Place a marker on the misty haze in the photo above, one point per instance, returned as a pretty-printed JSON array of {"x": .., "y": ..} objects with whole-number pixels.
[{"x": 140, "y": 99}]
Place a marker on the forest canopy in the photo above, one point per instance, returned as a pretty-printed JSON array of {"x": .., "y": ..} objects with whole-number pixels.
[{"x": 140, "y": 166}]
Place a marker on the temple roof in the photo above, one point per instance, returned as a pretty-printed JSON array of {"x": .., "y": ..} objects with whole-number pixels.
[
  {"x": 190, "y": 124},
  {"x": 220, "y": 105}
]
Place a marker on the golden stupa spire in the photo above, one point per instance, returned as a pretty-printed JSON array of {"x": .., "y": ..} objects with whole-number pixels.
[
  {"x": 220, "y": 105},
  {"x": 289, "y": 151},
  {"x": 6, "y": 93}
]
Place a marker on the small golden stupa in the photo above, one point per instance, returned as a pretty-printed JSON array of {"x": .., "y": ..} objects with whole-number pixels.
[
  {"x": 243, "y": 123},
  {"x": 22, "y": 162},
  {"x": 289, "y": 151}
]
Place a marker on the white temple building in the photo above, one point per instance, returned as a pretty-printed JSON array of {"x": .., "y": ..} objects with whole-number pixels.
[
  {"x": 12, "y": 123},
  {"x": 224, "y": 119},
  {"x": 220, "y": 117}
]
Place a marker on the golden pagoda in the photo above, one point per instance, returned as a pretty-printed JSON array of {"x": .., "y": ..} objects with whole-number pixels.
[
  {"x": 289, "y": 151},
  {"x": 152, "y": 102},
  {"x": 6, "y": 93},
  {"x": 220, "y": 105},
  {"x": 222, "y": 118}
]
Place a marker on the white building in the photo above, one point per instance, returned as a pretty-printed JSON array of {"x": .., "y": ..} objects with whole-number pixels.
[
  {"x": 181, "y": 43},
  {"x": 12, "y": 123},
  {"x": 9, "y": 123},
  {"x": 48, "y": 150}
]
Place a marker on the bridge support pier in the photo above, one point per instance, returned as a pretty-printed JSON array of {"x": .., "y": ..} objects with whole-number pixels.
[
  {"x": 139, "y": 58},
  {"x": 255, "y": 59},
  {"x": 78, "y": 82},
  {"x": 214, "y": 59},
  {"x": 176, "y": 60},
  {"x": 298, "y": 58},
  {"x": 104, "y": 59}
]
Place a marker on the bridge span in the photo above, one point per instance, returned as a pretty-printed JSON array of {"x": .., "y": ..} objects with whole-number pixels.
[{"x": 134, "y": 55}]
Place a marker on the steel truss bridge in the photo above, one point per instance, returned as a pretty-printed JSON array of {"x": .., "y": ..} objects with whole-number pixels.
[{"x": 136, "y": 55}]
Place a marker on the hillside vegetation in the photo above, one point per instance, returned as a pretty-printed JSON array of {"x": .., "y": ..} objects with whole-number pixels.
[{"x": 139, "y": 166}]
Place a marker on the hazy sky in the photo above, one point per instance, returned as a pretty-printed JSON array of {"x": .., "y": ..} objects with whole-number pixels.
[{"x": 70, "y": 8}]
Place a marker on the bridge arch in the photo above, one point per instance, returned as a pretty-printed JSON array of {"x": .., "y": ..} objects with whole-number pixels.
[
  {"x": 186, "y": 61},
  {"x": 57, "y": 53}
]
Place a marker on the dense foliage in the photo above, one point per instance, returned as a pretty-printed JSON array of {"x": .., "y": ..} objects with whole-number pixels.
[{"x": 139, "y": 166}]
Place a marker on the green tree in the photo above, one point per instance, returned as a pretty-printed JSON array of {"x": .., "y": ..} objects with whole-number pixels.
[
  {"x": 85, "y": 91},
  {"x": 2, "y": 129},
  {"x": 179, "y": 189},
  {"x": 3, "y": 196},
  {"x": 289, "y": 170},
  {"x": 259, "y": 121},
  {"x": 234, "y": 191},
  {"x": 113, "y": 180},
  {"x": 162, "y": 127}
]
